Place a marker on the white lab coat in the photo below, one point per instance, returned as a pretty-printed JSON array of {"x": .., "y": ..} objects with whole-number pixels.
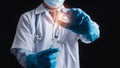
[{"x": 68, "y": 40}]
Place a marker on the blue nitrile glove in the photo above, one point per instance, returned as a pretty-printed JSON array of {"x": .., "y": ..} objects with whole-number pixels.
[
  {"x": 42, "y": 59},
  {"x": 81, "y": 23}
]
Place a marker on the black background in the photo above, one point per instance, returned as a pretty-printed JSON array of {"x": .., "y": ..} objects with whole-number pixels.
[{"x": 99, "y": 54}]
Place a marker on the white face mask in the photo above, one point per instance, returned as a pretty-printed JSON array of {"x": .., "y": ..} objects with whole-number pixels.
[{"x": 54, "y": 3}]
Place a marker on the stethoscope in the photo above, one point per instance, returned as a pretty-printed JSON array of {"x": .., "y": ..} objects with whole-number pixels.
[{"x": 55, "y": 33}]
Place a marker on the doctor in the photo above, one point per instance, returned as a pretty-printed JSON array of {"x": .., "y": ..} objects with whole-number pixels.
[{"x": 47, "y": 36}]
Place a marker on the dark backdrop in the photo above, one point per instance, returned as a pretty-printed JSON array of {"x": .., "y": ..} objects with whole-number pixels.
[{"x": 95, "y": 55}]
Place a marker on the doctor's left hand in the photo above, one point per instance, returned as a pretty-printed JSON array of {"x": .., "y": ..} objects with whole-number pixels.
[{"x": 43, "y": 59}]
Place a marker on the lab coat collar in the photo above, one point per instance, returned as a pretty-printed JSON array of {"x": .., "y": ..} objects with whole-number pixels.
[{"x": 41, "y": 9}]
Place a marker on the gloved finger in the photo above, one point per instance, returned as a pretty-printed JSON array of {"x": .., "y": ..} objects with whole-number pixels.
[
  {"x": 48, "y": 64},
  {"x": 52, "y": 61},
  {"x": 48, "y": 58},
  {"x": 47, "y": 52},
  {"x": 51, "y": 64},
  {"x": 53, "y": 56},
  {"x": 74, "y": 15}
]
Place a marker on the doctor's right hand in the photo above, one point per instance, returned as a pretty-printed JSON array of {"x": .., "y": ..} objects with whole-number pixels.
[{"x": 42, "y": 59}]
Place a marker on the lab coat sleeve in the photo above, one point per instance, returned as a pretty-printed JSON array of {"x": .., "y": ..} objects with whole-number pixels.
[
  {"x": 24, "y": 38},
  {"x": 93, "y": 35},
  {"x": 20, "y": 54}
]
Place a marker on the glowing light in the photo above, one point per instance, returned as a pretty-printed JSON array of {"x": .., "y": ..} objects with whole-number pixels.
[{"x": 62, "y": 18}]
